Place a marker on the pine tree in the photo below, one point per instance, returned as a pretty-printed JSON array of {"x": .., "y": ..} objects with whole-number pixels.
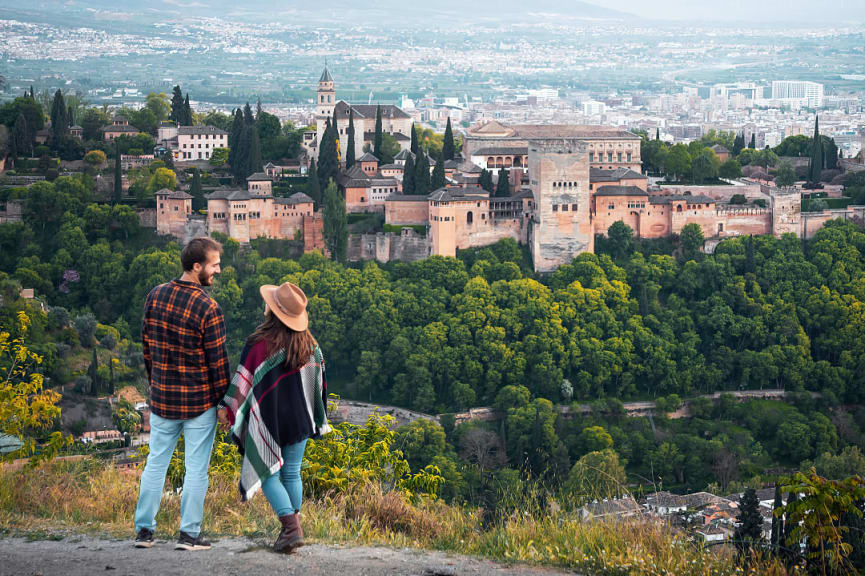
[
  {"x": 187, "y": 112},
  {"x": 749, "y": 532},
  {"x": 421, "y": 175},
  {"x": 408, "y": 176},
  {"x": 118, "y": 174},
  {"x": 503, "y": 185},
  {"x": 377, "y": 139},
  {"x": 335, "y": 222},
  {"x": 449, "y": 150},
  {"x": 753, "y": 144},
  {"x": 777, "y": 521},
  {"x": 198, "y": 200},
  {"x": 59, "y": 124},
  {"x": 438, "y": 174},
  {"x": 349, "y": 151},
  {"x": 176, "y": 114},
  {"x": 313, "y": 186},
  {"x": 815, "y": 167},
  {"x": 414, "y": 145}
]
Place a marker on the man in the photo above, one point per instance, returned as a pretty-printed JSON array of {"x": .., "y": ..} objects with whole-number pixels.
[{"x": 183, "y": 333}]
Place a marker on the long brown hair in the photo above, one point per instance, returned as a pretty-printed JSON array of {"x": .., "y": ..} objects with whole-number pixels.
[{"x": 298, "y": 346}]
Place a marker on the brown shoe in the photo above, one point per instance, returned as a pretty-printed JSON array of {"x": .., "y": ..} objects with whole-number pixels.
[{"x": 291, "y": 535}]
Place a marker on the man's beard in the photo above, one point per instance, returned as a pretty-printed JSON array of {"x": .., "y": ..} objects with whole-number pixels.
[{"x": 205, "y": 279}]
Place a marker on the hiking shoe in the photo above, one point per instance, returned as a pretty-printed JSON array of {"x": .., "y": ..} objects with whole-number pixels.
[
  {"x": 144, "y": 539},
  {"x": 187, "y": 542}
]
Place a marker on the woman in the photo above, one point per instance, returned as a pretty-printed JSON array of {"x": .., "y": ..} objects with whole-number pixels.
[{"x": 277, "y": 400}]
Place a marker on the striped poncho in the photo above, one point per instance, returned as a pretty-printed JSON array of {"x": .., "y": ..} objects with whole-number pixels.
[{"x": 270, "y": 407}]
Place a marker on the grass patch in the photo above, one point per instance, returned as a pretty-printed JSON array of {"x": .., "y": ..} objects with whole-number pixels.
[
  {"x": 419, "y": 229},
  {"x": 89, "y": 496},
  {"x": 831, "y": 203}
]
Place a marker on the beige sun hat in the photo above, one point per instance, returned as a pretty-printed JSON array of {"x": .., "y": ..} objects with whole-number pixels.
[{"x": 288, "y": 303}]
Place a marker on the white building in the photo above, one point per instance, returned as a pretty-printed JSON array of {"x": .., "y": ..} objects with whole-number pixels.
[
  {"x": 198, "y": 142},
  {"x": 594, "y": 108},
  {"x": 801, "y": 92}
]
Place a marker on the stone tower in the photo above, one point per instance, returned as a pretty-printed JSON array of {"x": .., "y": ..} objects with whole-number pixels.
[
  {"x": 326, "y": 94},
  {"x": 561, "y": 226}
]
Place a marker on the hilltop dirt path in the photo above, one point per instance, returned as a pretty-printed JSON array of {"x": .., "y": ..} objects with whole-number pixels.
[{"x": 85, "y": 556}]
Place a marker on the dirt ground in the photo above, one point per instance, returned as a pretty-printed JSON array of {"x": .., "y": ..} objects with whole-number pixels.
[{"x": 85, "y": 555}]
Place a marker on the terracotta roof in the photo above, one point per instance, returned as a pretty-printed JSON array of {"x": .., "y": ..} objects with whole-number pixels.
[
  {"x": 698, "y": 199},
  {"x": 501, "y": 150},
  {"x": 620, "y": 191},
  {"x": 598, "y": 175},
  {"x": 494, "y": 129},
  {"x": 174, "y": 194},
  {"x": 120, "y": 128},
  {"x": 449, "y": 193},
  {"x": 186, "y": 130},
  {"x": 406, "y": 198},
  {"x": 229, "y": 194}
]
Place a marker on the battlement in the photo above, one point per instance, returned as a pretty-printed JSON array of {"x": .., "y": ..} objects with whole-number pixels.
[{"x": 558, "y": 146}]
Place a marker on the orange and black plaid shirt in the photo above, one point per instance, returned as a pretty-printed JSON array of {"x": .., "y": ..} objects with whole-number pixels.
[{"x": 183, "y": 333}]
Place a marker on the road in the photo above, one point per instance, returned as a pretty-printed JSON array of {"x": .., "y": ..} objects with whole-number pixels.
[{"x": 85, "y": 556}]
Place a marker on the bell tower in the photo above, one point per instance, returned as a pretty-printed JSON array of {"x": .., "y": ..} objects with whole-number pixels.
[{"x": 326, "y": 94}]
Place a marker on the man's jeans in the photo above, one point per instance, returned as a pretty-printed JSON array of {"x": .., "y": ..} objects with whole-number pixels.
[{"x": 198, "y": 434}]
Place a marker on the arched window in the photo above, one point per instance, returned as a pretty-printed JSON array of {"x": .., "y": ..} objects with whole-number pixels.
[
  {"x": 469, "y": 218},
  {"x": 679, "y": 208}
]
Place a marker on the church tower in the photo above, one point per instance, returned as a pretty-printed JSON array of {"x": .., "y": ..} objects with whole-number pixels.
[{"x": 326, "y": 94}]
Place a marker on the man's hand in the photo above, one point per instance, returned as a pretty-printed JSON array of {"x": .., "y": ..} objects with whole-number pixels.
[{"x": 222, "y": 418}]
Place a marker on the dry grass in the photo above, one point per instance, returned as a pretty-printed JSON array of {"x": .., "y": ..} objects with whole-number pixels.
[{"x": 87, "y": 496}]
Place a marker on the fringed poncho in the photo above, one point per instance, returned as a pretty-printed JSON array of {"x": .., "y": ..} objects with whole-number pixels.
[{"x": 270, "y": 407}]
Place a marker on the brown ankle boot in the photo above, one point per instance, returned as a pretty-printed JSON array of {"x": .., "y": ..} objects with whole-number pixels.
[{"x": 291, "y": 535}]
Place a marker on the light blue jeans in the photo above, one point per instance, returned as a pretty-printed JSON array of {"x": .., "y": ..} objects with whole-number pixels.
[
  {"x": 198, "y": 434},
  {"x": 284, "y": 490}
]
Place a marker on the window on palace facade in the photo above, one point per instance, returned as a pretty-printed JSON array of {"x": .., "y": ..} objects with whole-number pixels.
[
  {"x": 629, "y": 156},
  {"x": 564, "y": 207},
  {"x": 619, "y": 156},
  {"x": 573, "y": 207},
  {"x": 611, "y": 207},
  {"x": 555, "y": 207}
]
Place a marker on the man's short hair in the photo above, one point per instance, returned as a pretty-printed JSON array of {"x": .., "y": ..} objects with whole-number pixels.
[{"x": 197, "y": 250}]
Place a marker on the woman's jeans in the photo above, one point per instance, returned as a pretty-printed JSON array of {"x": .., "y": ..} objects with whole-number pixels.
[
  {"x": 198, "y": 436},
  {"x": 284, "y": 489}
]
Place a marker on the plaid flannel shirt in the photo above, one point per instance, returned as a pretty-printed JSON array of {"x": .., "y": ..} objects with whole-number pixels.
[{"x": 183, "y": 333}]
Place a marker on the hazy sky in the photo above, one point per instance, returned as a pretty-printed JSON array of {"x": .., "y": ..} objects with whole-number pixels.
[{"x": 840, "y": 11}]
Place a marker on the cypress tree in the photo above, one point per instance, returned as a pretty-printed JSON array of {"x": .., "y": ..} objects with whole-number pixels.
[
  {"x": 187, "y": 112},
  {"x": 448, "y": 146},
  {"x": 328, "y": 169},
  {"x": 749, "y": 533},
  {"x": 234, "y": 136},
  {"x": 791, "y": 552},
  {"x": 377, "y": 139},
  {"x": 248, "y": 118},
  {"x": 777, "y": 521},
  {"x": 70, "y": 116},
  {"x": 349, "y": 151},
  {"x": 334, "y": 126},
  {"x": 486, "y": 180},
  {"x": 198, "y": 200},
  {"x": 335, "y": 222},
  {"x": 32, "y": 93},
  {"x": 59, "y": 123},
  {"x": 815, "y": 168},
  {"x": 422, "y": 175},
  {"x": 21, "y": 137},
  {"x": 118, "y": 174},
  {"x": 503, "y": 185},
  {"x": 254, "y": 159},
  {"x": 93, "y": 372},
  {"x": 438, "y": 174},
  {"x": 313, "y": 187},
  {"x": 414, "y": 145},
  {"x": 830, "y": 153},
  {"x": 753, "y": 144},
  {"x": 258, "y": 109},
  {"x": 408, "y": 176},
  {"x": 176, "y": 115},
  {"x": 657, "y": 133}
]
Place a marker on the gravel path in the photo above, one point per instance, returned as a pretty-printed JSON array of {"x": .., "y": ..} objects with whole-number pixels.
[{"x": 85, "y": 556}]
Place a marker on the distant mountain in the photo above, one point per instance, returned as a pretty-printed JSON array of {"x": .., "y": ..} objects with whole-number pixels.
[{"x": 344, "y": 11}]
